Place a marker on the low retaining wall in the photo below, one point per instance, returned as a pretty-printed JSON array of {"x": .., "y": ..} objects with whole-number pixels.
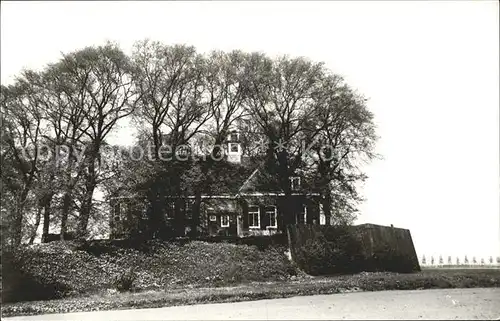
[{"x": 322, "y": 249}]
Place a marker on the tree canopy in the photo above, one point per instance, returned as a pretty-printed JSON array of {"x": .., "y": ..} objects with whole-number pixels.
[{"x": 296, "y": 116}]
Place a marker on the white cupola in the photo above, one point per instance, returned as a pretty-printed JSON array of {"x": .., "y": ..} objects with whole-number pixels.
[{"x": 234, "y": 147}]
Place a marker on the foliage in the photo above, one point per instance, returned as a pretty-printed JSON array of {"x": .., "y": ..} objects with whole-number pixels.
[
  {"x": 73, "y": 268},
  {"x": 125, "y": 281},
  {"x": 336, "y": 251}
]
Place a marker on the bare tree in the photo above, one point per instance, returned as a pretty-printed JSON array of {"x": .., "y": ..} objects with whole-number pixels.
[
  {"x": 301, "y": 107},
  {"x": 345, "y": 142},
  {"x": 169, "y": 81},
  {"x": 65, "y": 102},
  {"x": 225, "y": 90},
  {"x": 281, "y": 100},
  {"x": 102, "y": 77},
  {"x": 21, "y": 133}
]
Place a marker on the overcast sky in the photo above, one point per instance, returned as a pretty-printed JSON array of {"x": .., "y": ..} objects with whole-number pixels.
[{"x": 429, "y": 68}]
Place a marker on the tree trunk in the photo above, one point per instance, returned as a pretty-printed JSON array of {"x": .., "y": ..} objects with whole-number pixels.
[
  {"x": 18, "y": 227},
  {"x": 70, "y": 184},
  {"x": 156, "y": 143},
  {"x": 156, "y": 221},
  {"x": 18, "y": 219},
  {"x": 46, "y": 214},
  {"x": 288, "y": 212},
  {"x": 81, "y": 230},
  {"x": 37, "y": 224},
  {"x": 65, "y": 213},
  {"x": 178, "y": 218},
  {"x": 201, "y": 186},
  {"x": 195, "y": 221},
  {"x": 327, "y": 207},
  {"x": 86, "y": 208}
]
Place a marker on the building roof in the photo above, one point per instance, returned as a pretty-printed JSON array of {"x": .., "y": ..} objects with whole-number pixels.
[{"x": 224, "y": 179}]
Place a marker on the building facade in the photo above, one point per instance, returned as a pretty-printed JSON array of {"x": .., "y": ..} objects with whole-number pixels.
[{"x": 248, "y": 206}]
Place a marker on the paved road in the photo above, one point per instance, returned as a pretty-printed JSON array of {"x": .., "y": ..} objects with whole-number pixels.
[{"x": 424, "y": 304}]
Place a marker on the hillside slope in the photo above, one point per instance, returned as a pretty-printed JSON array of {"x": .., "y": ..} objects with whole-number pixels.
[{"x": 61, "y": 269}]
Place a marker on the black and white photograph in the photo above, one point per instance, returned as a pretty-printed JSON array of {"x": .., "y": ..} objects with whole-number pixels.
[{"x": 250, "y": 160}]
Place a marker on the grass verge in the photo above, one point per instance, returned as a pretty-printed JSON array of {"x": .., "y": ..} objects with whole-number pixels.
[{"x": 427, "y": 279}]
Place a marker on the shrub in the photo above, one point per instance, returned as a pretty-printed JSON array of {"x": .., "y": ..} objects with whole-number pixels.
[
  {"x": 125, "y": 281},
  {"x": 316, "y": 257},
  {"x": 234, "y": 274},
  {"x": 336, "y": 250}
]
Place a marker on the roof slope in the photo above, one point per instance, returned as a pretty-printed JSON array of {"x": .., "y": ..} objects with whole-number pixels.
[{"x": 260, "y": 181}]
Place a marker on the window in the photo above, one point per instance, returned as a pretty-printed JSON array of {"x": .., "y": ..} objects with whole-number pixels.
[
  {"x": 322, "y": 219},
  {"x": 117, "y": 211},
  {"x": 294, "y": 183},
  {"x": 224, "y": 221},
  {"x": 234, "y": 137},
  {"x": 211, "y": 216},
  {"x": 189, "y": 209},
  {"x": 271, "y": 213},
  {"x": 234, "y": 148},
  {"x": 253, "y": 217},
  {"x": 170, "y": 214},
  {"x": 303, "y": 214}
]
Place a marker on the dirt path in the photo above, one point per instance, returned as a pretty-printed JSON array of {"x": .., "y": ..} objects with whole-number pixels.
[{"x": 421, "y": 304}]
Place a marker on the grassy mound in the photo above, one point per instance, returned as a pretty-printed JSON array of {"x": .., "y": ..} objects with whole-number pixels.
[{"x": 61, "y": 269}]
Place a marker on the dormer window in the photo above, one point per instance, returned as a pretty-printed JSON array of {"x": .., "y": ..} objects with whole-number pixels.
[
  {"x": 234, "y": 148},
  {"x": 183, "y": 150},
  {"x": 294, "y": 183}
]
